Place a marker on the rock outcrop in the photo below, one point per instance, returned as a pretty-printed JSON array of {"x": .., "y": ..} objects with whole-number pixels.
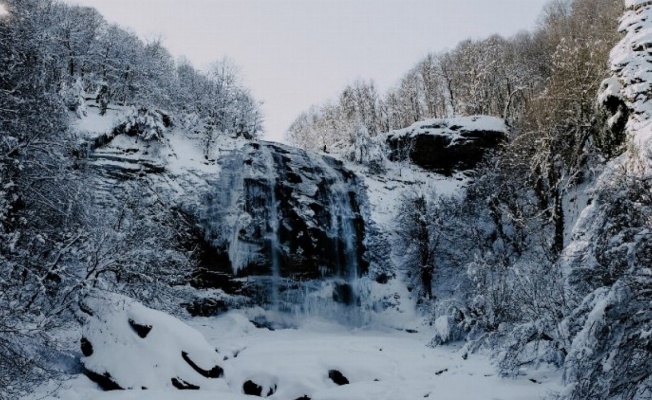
[{"x": 447, "y": 145}]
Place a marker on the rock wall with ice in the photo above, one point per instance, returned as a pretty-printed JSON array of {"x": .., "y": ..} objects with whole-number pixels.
[
  {"x": 274, "y": 225},
  {"x": 285, "y": 214}
]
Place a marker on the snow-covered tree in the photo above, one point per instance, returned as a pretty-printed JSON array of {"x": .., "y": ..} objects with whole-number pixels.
[
  {"x": 607, "y": 264},
  {"x": 145, "y": 123},
  {"x": 368, "y": 151}
]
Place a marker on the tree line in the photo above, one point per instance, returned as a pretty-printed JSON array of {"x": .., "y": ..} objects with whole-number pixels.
[{"x": 551, "y": 73}]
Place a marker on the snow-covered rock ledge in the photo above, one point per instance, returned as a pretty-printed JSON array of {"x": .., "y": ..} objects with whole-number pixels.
[{"x": 447, "y": 145}]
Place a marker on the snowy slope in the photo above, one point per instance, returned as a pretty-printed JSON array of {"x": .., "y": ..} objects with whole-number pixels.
[
  {"x": 180, "y": 154},
  {"x": 133, "y": 346},
  {"x": 631, "y": 63}
]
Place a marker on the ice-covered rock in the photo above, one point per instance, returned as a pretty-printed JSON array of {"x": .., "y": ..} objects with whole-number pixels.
[
  {"x": 447, "y": 145},
  {"x": 282, "y": 212},
  {"x": 129, "y": 346}
]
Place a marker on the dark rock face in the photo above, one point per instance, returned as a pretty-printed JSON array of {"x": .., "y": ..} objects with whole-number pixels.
[
  {"x": 337, "y": 377},
  {"x": 141, "y": 330},
  {"x": 215, "y": 372},
  {"x": 343, "y": 293},
  {"x": 206, "y": 307},
  {"x": 105, "y": 380},
  {"x": 277, "y": 211},
  {"x": 183, "y": 385},
  {"x": 86, "y": 347},
  {"x": 447, "y": 146},
  {"x": 251, "y": 389}
]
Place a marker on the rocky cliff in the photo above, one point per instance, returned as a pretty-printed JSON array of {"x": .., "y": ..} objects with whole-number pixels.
[{"x": 276, "y": 225}]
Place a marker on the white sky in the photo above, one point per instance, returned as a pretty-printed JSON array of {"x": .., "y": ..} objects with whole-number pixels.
[{"x": 295, "y": 53}]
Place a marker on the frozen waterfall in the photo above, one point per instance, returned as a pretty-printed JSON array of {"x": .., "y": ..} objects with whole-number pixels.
[{"x": 290, "y": 225}]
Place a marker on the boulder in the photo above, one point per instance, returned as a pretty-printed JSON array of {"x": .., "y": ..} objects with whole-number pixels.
[
  {"x": 252, "y": 389},
  {"x": 337, "y": 377}
]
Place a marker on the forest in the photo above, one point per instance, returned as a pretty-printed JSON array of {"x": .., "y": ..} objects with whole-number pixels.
[{"x": 541, "y": 258}]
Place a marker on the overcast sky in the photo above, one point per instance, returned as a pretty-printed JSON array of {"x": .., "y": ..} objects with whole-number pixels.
[{"x": 295, "y": 53}]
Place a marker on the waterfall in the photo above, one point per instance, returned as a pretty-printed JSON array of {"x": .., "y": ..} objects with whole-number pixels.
[
  {"x": 341, "y": 224},
  {"x": 288, "y": 228},
  {"x": 342, "y": 229},
  {"x": 273, "y": 228}
]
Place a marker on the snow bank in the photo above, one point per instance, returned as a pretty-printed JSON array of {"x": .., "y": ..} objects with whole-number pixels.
[{"x": 378, "y": 364}]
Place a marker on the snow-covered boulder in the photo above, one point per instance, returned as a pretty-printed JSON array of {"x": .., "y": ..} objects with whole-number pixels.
[
  {"x": 447, "y": 145},
  {"x": 129, "y": 346}
]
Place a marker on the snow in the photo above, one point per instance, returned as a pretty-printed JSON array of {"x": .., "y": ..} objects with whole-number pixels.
[
  {"x": 636, "y": 3},
  {"x": 187, "y": 171},
  {"x": 187, "y": 156},
  {"x": 630, "y": 63},
  {"x": 180, "y": 152},
  {"x": 611, "y": 87},
  {"x": 442, "y": 327},
  {"x": 386, "y": 190},
  {"x": 453, "y": 127},
  {"x": 94, "y": 124},
  {"x": 152, "y": 361},
  {"x": 163, "y": 395},
  {"x": 380, "y": 363}
]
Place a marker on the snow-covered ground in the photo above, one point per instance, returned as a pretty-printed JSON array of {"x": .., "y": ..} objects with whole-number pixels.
[{"x": 379, "y": 363}]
